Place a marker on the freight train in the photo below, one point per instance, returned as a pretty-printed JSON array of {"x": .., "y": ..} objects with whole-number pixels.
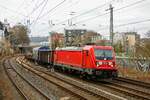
[{"x": 92, "y": 61}]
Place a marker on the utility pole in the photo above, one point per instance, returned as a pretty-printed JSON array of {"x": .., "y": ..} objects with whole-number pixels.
[
  {"x": 50, "y": 23},
  {"x": 28, "y": 26},
  {"x": 111, "y": 23}
]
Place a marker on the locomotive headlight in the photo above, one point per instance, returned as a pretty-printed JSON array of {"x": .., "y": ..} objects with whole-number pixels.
[
  {"x": 110, "y": 63},
  {"x": 98, "y": 63}
]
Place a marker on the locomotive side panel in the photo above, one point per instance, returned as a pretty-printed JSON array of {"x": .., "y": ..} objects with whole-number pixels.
[
  {"x": 71, "y": 58},
  {"x": 88, "y": 59}
]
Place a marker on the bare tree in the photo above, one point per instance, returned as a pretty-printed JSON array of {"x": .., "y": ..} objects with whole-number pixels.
[
  {"x": 148, "y": 34},
  {"x": 57, "y": 40},
  {"x": 141, "y": 55},
  {"x": 5, "y": 48},
  {"x": 118, "y": 47},
  {"x": 19, "y": 35},
  {"x": 87, "y": 37}
]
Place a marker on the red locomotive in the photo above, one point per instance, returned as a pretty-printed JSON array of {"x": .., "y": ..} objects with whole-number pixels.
[
  {"x": 90, "y": 61},
  {"x": 94, "y": 61}
]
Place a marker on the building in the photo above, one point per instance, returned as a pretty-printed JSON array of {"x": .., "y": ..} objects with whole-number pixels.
[
  {"x": 103, "y": 42},
  {"x": 91, "y": 37},
  {"x": 118, "y": 38},
  {"x": 1, "y": 31},
  {"x": 56, "y": 39},
  {"x": 6, "y": 24},
  {"x": 127, "y": 39},
  {"x": 73, "y": 36},
  {"x": 96, "y": 37},
  {"x": 144, "y": 40},
  {"x": 132, "y": 38}
]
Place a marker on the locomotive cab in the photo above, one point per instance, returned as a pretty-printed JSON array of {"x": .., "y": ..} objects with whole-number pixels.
[
  {"x": 105, "y": 62},
  {"x": 104, "y": 58}
]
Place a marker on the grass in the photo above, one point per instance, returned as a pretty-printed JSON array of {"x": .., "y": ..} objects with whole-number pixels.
[{"x": 131, "y": 72}]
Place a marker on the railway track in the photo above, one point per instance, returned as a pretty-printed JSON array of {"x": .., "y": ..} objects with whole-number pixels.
[
  {"x": 121, "y": 85},
  {"x": 136, "y": 88},
  {"x": 135, "y": 82},
  {"x": 129, "y": 91},
  {"x": 123, "y": 89},
  {"x": 22, "y": 85},
  {"x": 83, "y": 90},
  {"x": 14, "y": 84}
]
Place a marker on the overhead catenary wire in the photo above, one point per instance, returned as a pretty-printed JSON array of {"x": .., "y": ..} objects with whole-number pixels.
[
  {"x": 36, "y": 3},
  {"x": 100, "y": 6},
  {"x": 86, "y": 12},
  {"x": 127, "y": 6},
  {"x": 89, "y": 19},
  {"x": 36, "y": 8},
  {"x": 131, "y": 23},
  {"x": 11, "y": 10},
  {"x": 21, "y": 4},
  {"x": 52, "y": 9},
  {"x": 120, "y": 25},
  {"x": 34, "y": 21},
  {"x": 135, "y": 3},
  {"x": 47, "y": 12}
]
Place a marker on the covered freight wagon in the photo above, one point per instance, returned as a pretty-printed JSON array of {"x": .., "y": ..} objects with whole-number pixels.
[{"x": 45, "y": 55}]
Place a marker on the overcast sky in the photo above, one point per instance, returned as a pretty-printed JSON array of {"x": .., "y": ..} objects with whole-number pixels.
[{"x": 135, "y": 11}]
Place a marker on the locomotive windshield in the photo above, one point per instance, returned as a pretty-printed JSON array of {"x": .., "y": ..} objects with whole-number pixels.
[{"x": 103, "y": 54}]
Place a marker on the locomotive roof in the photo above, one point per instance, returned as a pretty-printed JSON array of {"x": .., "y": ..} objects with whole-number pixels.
[
  {"x": 36, "y": 48},
  {"x": 84, "y": 48},
  {"x": 70, "y": 48},
  {"x": 44, "y": 48},
  {"x": 97, "y": 47}
]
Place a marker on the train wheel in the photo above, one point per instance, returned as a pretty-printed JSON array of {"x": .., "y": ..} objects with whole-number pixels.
[
  {"x": 114, "y": 74},
  {"x": 52, "y": 69},
  {"x": 82, "y": 75},
  {"x": 88, "y": 77}
]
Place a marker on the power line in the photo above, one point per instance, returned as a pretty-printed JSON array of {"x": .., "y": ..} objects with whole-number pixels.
[
  {"x": 19, "y": 13},
  {"x": 47, "y": 12},
  {"x": 121, "y": 25},
  {"x": 135, "y": 3},
  {"x": 52, "y": 9},
  {"x": 34, "y": 9},
  {"x": 131, "y": 5},
  {"x": 21, "y": 4},
  {"x": 114, "y": 10},
  {"x": 34, "y": 21},
  {"x": 108, "y": 12},
  {"x": 35, "y": 3},
  {"x": 100, "y": 6},
  {"x": 131, "y": 23}
]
